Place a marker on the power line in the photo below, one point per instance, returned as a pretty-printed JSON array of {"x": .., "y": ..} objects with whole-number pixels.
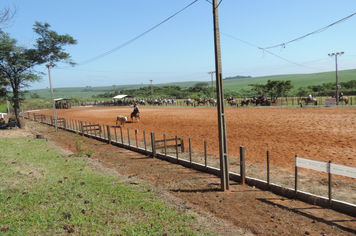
[
  {"x": 132, "y": 40},
  {"x": 264, "y": 50},
  {"x": 283, "y": 45}
]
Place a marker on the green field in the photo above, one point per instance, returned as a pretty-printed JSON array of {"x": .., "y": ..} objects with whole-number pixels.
[
  {"x": 46, "y": 192},
  {"x": 233, "y": 84}
]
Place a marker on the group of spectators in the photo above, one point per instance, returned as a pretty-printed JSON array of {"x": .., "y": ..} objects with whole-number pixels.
[{"x": 10, "y": 123}]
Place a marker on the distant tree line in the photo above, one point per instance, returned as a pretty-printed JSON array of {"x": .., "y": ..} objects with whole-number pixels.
[
  {"x": 272, "y": 89},
  {"x": 198, "y": 90},
  {"x": 238, "y": 77}
]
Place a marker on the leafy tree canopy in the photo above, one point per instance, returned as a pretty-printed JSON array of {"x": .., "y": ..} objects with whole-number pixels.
[
  {"x": 201, "y": 84},
  {"x": 17, "y": 62},
  {"x": 273, "y": 88}
]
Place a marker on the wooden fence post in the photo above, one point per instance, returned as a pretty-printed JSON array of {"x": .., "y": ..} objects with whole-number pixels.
[
  {"x": 206, "y": 161},
  {"x": 90, "y": 129},
  {"x": 182, "y": 144},
  {"x": 115, "y": 134},
  {"x": 136, "y": 134},
  {"x": 177, "y": 148},
  {"x": 165, "y": 146},
  {"x": 122, "y": 138},
  {"x": 64, "y": 123},
  {"x": 94, "y": 130},
  {"x": 109, "y": 136},
  {"x": 144, "y": 140},
  {"x": 104, "y": 131},
  {"x": 128, "y": 136},
  {"x": 86, "y": 127},
  {"x": 330, "y": 192},
  {"x": 34, "y": 116},
  {"x": 190, "y": 152},
  {"x": 153, "y": 144},
  {"x": 82, "y": 127},
  {"x": 268, "y": 179},
  {"x": 296, "y": 178},
  {"x": 51, "y": 121},
  {"x": 242, "y": 165}
]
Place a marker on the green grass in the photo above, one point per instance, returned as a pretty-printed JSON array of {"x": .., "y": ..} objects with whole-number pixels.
[
  {"x": 43, "y": 192},
  {"x": 3, "y": 108},
  {"x": 298, "y": 80}
]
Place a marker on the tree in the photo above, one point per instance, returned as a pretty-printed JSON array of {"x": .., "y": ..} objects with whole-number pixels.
[
  {"x": 273, "y": 88},
  {"x": 303, "y": 91},
  {"x": 17, "y": 62},
  {"x": 35, "y": 95},
  {"x": 201, "y": 84}
]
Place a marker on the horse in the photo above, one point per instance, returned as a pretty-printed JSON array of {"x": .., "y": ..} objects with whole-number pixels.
[
  {"x": 232, "y": 102},
  {"x": 343, "y": 99},
  {"x": 187, "y": 102},
  {"x": 212, "y": 102},
  {"x": 135, "y": 115},
  {"x": 202, "y": 102},
  {"x": 265, "y": 102},
  {"x": 308, "y": 100},
  {"x": 159, "y": 102},
  {"x": 245, "y": 102}
]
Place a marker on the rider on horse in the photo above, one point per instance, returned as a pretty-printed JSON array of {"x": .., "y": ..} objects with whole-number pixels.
[
  {"x": 135, "y": 111},
  {"x": 310, "y": 97}
]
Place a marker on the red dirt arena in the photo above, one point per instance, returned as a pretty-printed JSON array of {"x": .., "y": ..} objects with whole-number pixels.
[{"x": 323, "y": 134}]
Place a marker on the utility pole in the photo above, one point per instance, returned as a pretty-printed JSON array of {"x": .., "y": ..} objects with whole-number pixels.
[
  {"x": 212, "y": 83},
  {"x": 337, "y": 79},
  {"x": 114, "y": 90},
  {"x": 54, "y": 106},
  {"x": 151, "y": 89},
  {"x": 224, "y": 170}
]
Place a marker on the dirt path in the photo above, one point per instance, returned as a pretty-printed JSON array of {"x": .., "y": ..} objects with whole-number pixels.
[{"x": 259, "y": 212}]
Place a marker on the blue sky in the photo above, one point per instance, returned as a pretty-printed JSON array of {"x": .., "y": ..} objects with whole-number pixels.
[{"x": 182, "y": 49}]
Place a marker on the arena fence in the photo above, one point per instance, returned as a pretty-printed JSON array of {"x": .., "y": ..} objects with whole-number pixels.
[{"x": 116, "y": 137}]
